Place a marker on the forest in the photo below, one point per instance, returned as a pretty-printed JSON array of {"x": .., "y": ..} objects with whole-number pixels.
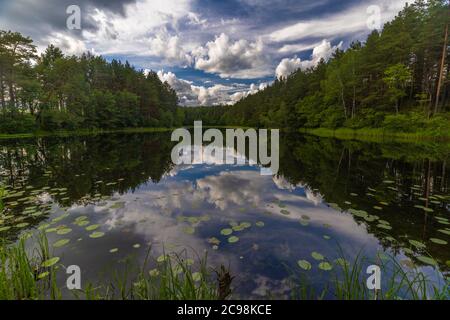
[
  {"x": 398, "y": 79},
  {"x": 57, "y": 92}
]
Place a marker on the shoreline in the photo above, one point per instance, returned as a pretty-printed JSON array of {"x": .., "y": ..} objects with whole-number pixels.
[
  {"x": 368, "y": 134},
  {"x": 376, "y": 135}
]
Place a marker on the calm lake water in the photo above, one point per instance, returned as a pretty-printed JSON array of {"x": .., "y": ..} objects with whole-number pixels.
[{"x": 101, "y": 199}]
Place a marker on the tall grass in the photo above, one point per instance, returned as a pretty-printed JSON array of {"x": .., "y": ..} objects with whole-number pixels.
[
  {"x": 22, "y": 274},
  {"x": 172, "y": 279},
  {"x": 348, "y": 282}
]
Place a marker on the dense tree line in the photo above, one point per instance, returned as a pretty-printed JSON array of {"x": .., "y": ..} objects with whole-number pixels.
[
  {"x": 391, "y": 80},
  {"x": 54, "y": 91}
]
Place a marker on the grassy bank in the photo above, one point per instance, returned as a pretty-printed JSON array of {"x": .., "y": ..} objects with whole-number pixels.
[
  {"x": 378, "y": 134},
  {"x": 85, "y": 132}
]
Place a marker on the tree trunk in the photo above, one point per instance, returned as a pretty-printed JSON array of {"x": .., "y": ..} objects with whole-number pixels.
[{"x": 441, "y": 72}]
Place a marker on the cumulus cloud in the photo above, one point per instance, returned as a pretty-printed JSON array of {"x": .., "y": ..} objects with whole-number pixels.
[
  {"x": 68, "y": 44},
  {"x": 288, "y": 66},
  {"x": 235, "y": 59},
  {"x": 194, "y": 95}
]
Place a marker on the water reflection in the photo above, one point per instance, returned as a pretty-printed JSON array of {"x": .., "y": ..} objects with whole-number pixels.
[{"x": 328, "y": 194}]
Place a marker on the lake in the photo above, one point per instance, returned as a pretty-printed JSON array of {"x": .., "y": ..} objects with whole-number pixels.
[{"x": 103, "y": 199}]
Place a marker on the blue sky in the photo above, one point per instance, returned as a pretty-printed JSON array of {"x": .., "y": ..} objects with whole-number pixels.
[{"x": 211, "y": 52}]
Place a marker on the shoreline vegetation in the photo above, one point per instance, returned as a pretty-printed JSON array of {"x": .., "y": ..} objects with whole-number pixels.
[
  {"x": 363, "y": 134},
  {"x": 33, "y": 276}
]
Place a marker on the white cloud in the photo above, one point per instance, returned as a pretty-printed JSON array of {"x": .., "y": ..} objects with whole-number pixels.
[
  {"x": 68, "y": 44},
  {"x": 228, "y": 59},
  {"x": 323, "y": 51},
  {"x": 141, "y": 31},
  {"x": 352, "y": 21},
  {"x": 169, "y": 47},
  {"x": 193, "y": 95}
]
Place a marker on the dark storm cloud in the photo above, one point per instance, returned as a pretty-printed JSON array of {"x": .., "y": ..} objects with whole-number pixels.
[{"x": 39, "y": 18}]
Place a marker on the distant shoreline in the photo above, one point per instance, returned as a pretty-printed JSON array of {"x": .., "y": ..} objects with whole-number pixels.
[
  {"x": 365, "y": 134},
  {"x": 377, "y": 135}
]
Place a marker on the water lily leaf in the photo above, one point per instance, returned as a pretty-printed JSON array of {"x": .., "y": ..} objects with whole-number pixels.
[
  {"x": 438, "y": 241},
  {"x": 6, "y": 228},
  {"x": 92, "y": 227},
  {"x": 136, "y": 246},
  {"x": 96, "y": 234},
  {"x": 154, "y": 273},
  {"x": 305, "y": 217},
  {"x": 342, "y": 262},
  {"x": 50, "y": 262},
  {"x": 325, "y": 266},
  {"x": 384, "y": 226},
  {"x": 305, "y": 265},
  {"x": 196, "y": 276},
  {"x": 326, "y": 237},
  {"x": 246, "y": 225},
  {"x": 259, "y": 224},
  {"x": 22, "y": 225},
  {"x": 63, "y": 231},
  {"x": 226, "y": 232},
  {"x": 113, "y": 250},
  {"x": 417, "y": 244},
  {"x": 317, "y": 256},
  {"x": 238, "y": 228},
  {"x": 444, "y": 231},
  {"x": 61, "y": 243},
  {"x": 285, "y": 212},
  {"x": 162, "y": 258},
  {"x": 43, "y": 275},
  {"x": 427, "y": 260},
  {"x": 189, "y": 230},
  {"x": 233, "y": 239}
]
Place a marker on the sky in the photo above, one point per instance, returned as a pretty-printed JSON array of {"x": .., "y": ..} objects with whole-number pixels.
[{"x": 210, "y": 51}]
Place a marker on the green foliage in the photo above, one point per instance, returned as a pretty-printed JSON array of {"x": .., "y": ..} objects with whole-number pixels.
[
  {"x": 58, "y": 92},
  {"x": 393, "y": 71}
]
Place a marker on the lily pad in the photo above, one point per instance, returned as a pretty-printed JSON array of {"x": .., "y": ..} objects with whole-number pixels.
[
  {"x": 305, "y": 265},
  {"x": 226, "y": 232},
  {"x": 317, "y": 256},
  {"x": 50, "y": 262},
  {"x": 384, "y": 226},
  {"x": 196, "y": 276},
  {"x": 96, "y": 234},
  {"x": 154, "y": 273},
  {"x": 417, "y": 244},
  {"x": 61, "y": 243},
  {"x": 63, "y": 231},
  {"x": 427, "y": 260},
  {"x": 162, "y": 258},
  {"x": 113, "y": 250},
  {"x": 438, "y": 241},
  {"x": 259, "y": 224},
  {"x": 233, "y": 239},
  {"x": 325, "y": 266},
  {"x": 189, "y": 230},
  {"x": 92, "y": 227},
  {"x": 444, "y": 231}
]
